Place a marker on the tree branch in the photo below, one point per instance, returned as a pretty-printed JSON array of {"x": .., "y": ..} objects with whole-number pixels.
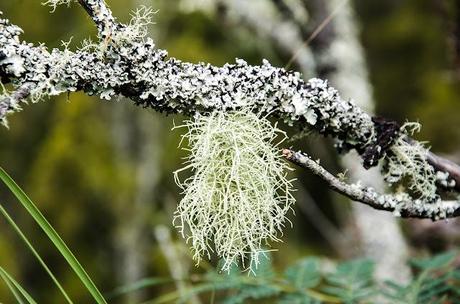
[
  {"x": 400, "y": 204},
  {"x": 102, "y": 17},
  {"x": 137, "y": 70},
  {"x": 444, "y": 165},
  {"x": 127, "y": 63},
  {"x": 440, "y": 164}
]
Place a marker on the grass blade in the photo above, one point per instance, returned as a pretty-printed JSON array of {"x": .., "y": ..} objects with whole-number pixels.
[
  {"x": 15, "y": 287},
  {"x": 24, "y": 238},
  {"x": 11, "y": 287},
  {"x": 52, "y": 235}
]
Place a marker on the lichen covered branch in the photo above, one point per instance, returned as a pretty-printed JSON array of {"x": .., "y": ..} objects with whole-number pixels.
[
  {"x": 124, "y": 62},
  {"x": 136, "y": 69},
  {"x": 102, "y": 17},
  {"x": 400, "y": 204}
]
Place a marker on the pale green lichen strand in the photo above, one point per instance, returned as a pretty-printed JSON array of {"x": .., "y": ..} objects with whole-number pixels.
[
  {"x": 236, "y": 201},
  {"x": 408, "y": 160},
  {"x": 55, "y": 3}
]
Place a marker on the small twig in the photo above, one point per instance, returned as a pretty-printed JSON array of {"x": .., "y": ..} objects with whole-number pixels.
[
  {"x": 400, "y": 204},
  {"x": 442, "y": 164},
  {"x": 445, "y": 165},
  {"x": 102, "y": 16}
]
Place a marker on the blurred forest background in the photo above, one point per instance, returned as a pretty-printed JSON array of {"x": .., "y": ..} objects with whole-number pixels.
[{"x": 102, "y": 171}]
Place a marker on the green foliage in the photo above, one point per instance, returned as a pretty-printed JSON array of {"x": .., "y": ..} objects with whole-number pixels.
[
  {"x": 249, "y": 289},
  {"x": 302, "y": 275},
  {"x": 62, "y": 150},
  {"x": 35, "y": 253},
  {"x": 351, "y": 282},
  {"x": 20, "y": 294},
  {"x": 435, "y": 282},
  {"x": 35, "y": 213},
  {"x": 240, "y": 288},
  {"x": 304, "y": 282}
]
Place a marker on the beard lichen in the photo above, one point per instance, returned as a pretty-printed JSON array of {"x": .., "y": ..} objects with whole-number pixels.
[
  {"x": 236, "y": 201},
  {"x": 408, "y": 160},
  {"x": 55, "y": 3}
]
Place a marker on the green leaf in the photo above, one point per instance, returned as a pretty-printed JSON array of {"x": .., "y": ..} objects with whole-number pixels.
[
  {"x": 425, "y": 288},
  {"x": 435, "y": 262},
  {"x": 11, "y": 287},
  {"x": 297, "y": 298},
  {"x": 352, "y": 281},
  {"x": 254, "y": 285},
  {"x": 178, "y": 297},
  {"x": 35, "y": 253},
  {"x": 304, "y": 274},
  {"x": 53, "y": 236},
  {"x": 435, "y": 283},
  {"x": 16, "y": 288},
  {"x": 254, "y": 292}
]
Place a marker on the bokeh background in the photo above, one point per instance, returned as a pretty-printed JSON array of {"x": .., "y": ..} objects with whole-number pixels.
[{"x": 101, "y": 171}]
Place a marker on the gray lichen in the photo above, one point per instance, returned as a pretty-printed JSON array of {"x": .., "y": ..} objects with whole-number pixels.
[{"x": 136, "y": 69}]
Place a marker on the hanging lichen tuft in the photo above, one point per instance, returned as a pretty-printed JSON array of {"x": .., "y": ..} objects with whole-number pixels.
[
  {"x": 408, "y": 160},
  {"x": 236, "y": 201}
]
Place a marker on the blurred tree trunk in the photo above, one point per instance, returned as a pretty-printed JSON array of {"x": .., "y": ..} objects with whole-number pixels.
[
  {"x": 136, "y": 140},
  {"x": 340, "y": 58},
  {"x": 454, "y": 21},
  {"x": 380, "y": 234}
]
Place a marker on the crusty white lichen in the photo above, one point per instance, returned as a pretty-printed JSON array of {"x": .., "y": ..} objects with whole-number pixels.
[
  {"x": 400, "y": 203},
  {"x": 236, "y": 201},
  {"x": 14, "y": 65},
  {"x": 5, "y": 107},
  {"x": 133, "y": 67}
]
